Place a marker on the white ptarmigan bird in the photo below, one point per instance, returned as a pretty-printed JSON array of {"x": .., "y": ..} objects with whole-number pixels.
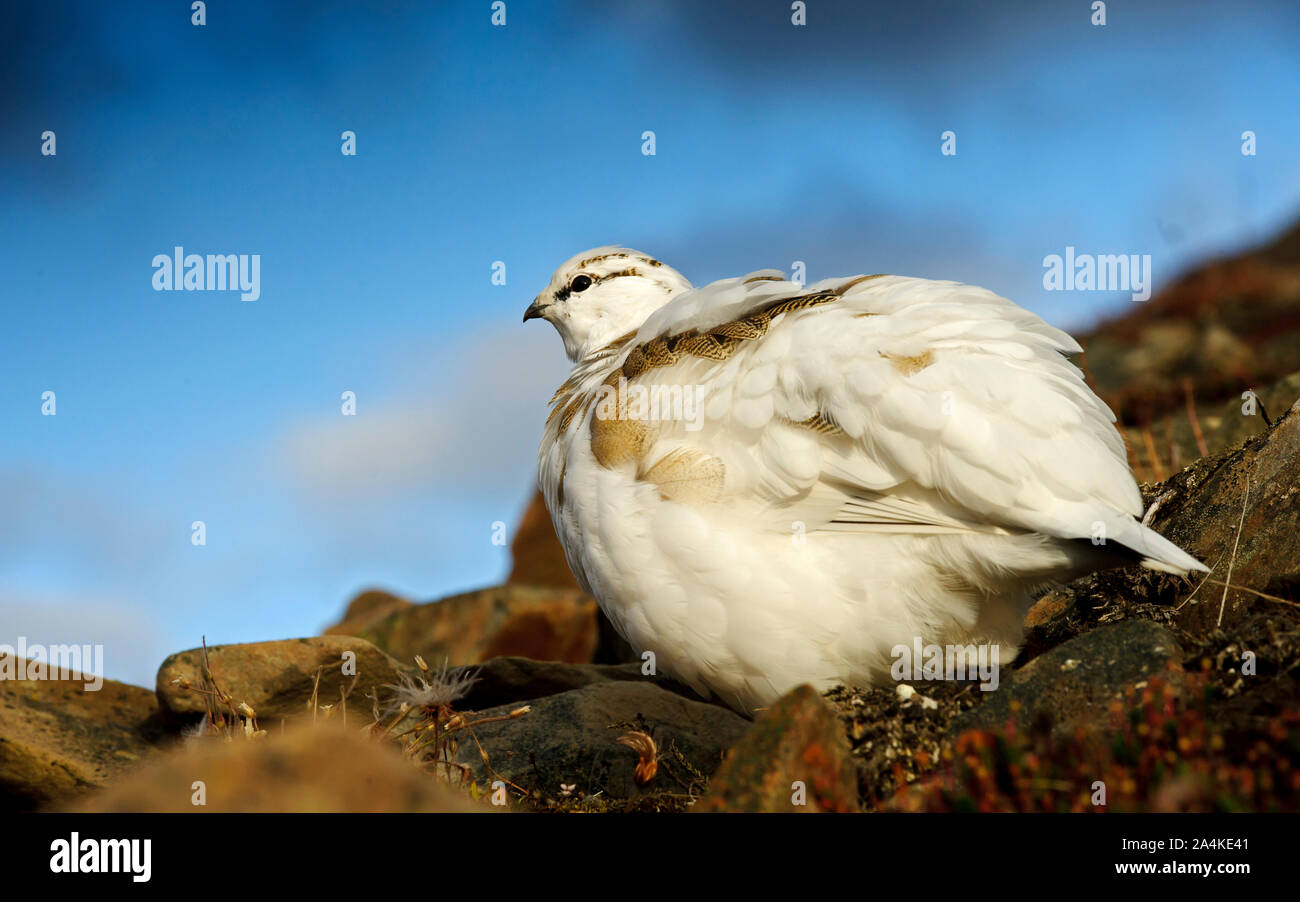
[{"x": 823, "y": 472}]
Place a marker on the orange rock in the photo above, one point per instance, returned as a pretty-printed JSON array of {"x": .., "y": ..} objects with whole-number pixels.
[
  {"x": 795, "y": 758},
  {"x": 541, "y": 622},
  {"x": 368, "y": 607},
  {"x": 1046, "y": 609},
  {"x": 537, "y": 553}
]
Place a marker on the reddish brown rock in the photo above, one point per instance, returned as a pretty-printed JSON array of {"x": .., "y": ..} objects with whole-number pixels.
[
  {"x": 1225, "y": 326},
  {"x": 368, "y": 607},
  {"x": 1174, "y": 368},
  {"x": 1046, "y": 609},
  {"x": 797, "y": 742},
  {"x": 536, "y": 551},
  {"x": 545, "y": 623}
]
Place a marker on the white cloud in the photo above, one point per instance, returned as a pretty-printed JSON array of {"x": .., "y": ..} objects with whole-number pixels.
[{"x": 472, "y": 422}]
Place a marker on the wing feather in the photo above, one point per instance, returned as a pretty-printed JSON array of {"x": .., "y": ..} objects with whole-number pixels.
[{"x": 904, "y": 405}]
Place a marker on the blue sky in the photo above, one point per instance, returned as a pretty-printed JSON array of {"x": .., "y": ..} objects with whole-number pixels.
[{"x": 522, "y": 144}]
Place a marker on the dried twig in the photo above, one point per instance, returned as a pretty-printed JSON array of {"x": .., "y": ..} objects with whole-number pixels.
[
  {"x": 1256, "y": 593},
  {"x": 1198, "y": 585},
  {"x": 1173, "y": 446},
  {"x": 315, "y": 692},
  {"x": 1149, "y": 440},
  {"x": 1194, "y": 419},
  {"x": 220, "y": 713},
  {"x": 488, "y": 764},
  {"x": 1244, "y": 495}
]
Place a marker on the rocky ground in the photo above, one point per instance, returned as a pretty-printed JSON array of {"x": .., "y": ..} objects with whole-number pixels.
[{"x": 1134, "y": 691}]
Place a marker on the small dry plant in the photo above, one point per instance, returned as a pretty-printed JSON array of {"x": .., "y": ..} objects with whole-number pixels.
[
  {"x": 222, "y": 717},
  {"x": 422, "y": 716}
]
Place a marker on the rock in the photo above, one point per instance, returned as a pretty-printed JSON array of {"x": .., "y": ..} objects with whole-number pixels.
[
  {"x": 611, "y": 648},
  {"x": 1199, "y": 509},
  {"x": 58, "y": 740},
  {"x": 898, "y": 734},
  {"x": 1224, "y": 327},
  {"x": 502, "y": 681},
  {"x": 1174, "y": 442},
  {"x": 540, "y": 613},
  {"x": 323, "y": 768},
  {"x": 538, "y": 556},
  {"x": 1167, "y": 748},
  {"x": 368, "y": 607},
  {"x": 276, "y": 678},
  {"x": 1228, "y": 717},
  {"x": 571, "y": 739},
  {"x": 1239, "y": 420},
  {"x": 799, "y": 740},
  {"x": 526, "y": 621},
  {"x": 1257, "y": 485},
  {"x": 1076, "y": 682},
  {"x": 1174, "y": 368},
  {"x": 1046, "y": 609},
  {"x": 1050, "y": 622}
]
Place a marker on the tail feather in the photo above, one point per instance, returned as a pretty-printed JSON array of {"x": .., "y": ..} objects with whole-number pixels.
[{"x": 1158, "y": 553}]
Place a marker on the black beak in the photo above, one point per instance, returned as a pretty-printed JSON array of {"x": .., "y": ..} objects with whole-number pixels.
[{"x": 534, "y": 311}]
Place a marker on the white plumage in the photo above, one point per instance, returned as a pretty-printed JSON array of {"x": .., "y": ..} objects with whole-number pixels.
[{"x": 873, "y": 459}]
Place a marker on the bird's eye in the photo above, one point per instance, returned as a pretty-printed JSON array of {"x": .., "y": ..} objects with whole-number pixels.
[{"x": 580, "y": 283}]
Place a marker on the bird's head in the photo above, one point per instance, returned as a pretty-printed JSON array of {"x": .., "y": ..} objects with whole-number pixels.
[{"x": 602, "y": 294}]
